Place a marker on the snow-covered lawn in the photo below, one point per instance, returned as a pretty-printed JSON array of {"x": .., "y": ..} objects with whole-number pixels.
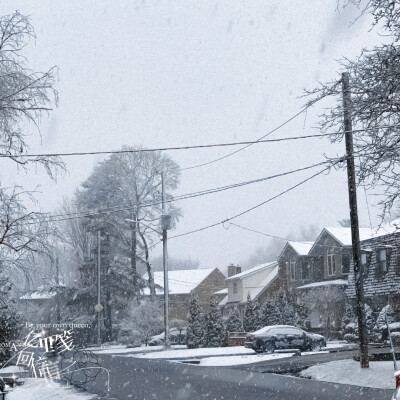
[
  {"x": 188, "y": 353},
  {"x": 123, "y": 349},
  {"x": 380, "y": 374},
  {"x": 12, "y": 369},
  {"x": 34, "y": 389}
]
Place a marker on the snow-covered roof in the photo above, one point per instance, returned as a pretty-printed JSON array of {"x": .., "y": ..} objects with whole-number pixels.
[
  {"x": 336, "y": 282},
  {"x": 301, "y": 248},
  {"x": 264, "y": 283},
  {"x": 343, "y": 235},
  {"x": 39, "y": 295},
  {"x": 223, "y": 301},
  {"x": 222, "y": 291},
  {"x": 253, "y": 270},
  {"x": 179, "y": 282}
]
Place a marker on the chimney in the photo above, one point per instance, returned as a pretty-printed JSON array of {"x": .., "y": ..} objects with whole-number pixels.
[{"x": 233, "y": 270}]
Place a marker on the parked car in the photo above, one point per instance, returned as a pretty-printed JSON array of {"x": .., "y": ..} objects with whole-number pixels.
[
  {"x": 273, "y": 337},
  {"x": 175, "y": 336}
]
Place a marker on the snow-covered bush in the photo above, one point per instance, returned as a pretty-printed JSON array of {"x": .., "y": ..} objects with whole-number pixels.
[
  {"x": 234, "y": 323},
  {"x": 380, "y": 328},
  {"x": 350, "y": 323}
]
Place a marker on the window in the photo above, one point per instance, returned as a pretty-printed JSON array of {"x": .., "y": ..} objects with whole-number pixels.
[
  {"x": 234, "y": 287},
  {"x": 345, "y": 263},
  {"x": 331, "y": 262},
  {"x": 382, "y": 257},
  {"x": 363, "y": 259},
  {"x": 292, "y": 267},
  {"x": 305, "y": 271}
]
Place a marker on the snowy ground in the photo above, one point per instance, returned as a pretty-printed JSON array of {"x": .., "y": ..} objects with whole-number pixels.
[
  {"x": 188, "y": 353},
  {"x": 117, "y": 349},
  {"x": 380, "y": 374},
  {"x": 239, "y": 360},
  {"x": 12, "y": 369},
  {"x": 34, "y": 389}
]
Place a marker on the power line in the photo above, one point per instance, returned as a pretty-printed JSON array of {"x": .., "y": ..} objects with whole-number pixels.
[
  {"x": 144, "y": 150},
  {"x": 245, "y": 147},
  {"x": 201, "y": 146},
  {"x": 88, "y": 214},
  {"x": 252, "y": 208}
]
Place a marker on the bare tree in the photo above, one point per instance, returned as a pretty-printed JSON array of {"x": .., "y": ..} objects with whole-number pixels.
[
  {"x": 375, "y": 91},
  {"x": 24, "y": 96}
]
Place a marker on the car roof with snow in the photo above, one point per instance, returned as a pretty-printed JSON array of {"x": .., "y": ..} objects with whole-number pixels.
[{"x": 275, "y": 327}]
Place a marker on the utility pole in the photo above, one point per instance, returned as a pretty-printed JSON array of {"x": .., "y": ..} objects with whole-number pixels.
[
  {"x": 166, "y": 224},
  {"x": 133, "y": 229},
  {"x": 98, "y": 307},
  {"x": 58, "y": 307},
  {"x": 355, "y": 233}
]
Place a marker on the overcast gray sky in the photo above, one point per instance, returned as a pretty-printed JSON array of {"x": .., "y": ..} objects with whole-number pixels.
[{"x": 171, "y": 73}]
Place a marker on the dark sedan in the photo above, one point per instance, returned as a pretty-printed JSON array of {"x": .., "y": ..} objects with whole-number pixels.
[{"x": 271, "y": 338}]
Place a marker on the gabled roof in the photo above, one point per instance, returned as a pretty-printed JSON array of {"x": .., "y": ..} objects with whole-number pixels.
[
  {"x": 270, "y": 273},
  {"x": 301, "y": 248},
  {"x": 264, "y": 284},
  {"x": 179, "y": 282},
  {"x": 253, "y": 270},
  {"x": 342, "y": 235}
]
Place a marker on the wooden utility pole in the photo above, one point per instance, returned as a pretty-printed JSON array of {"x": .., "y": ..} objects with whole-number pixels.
[
  {"x": 355, "y": 233},
  {"x": 133, "y": 229},
  {"x": 165, "y": 222},
  {"x": 98, "y": 308},
  {"x": 58, "y": 306}
]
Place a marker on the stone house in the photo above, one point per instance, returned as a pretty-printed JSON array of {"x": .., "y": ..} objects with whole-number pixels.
[
  {"x": 204, "y": 283},
  {"x": 380, "y": 259}
]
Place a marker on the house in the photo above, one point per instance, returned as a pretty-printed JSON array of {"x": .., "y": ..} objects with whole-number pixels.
[
  {"x": 255, "y": 282},
  {"x": 380, "y": 259},
  {"x": 204, "y": 283},
  {"x": 317, "y": 276},
  {"x": 40, "y": 304},
  {"x": 320, "y": 274}
]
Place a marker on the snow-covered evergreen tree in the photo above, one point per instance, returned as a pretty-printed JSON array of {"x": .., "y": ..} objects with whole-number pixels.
[
  {"x": 250, "y": 315},
  {"x": 234, "y": 323},
  {"x": 10, "y": 320},
  {"x": 196, "y": 328},
  {"x": 215, "y": 326}
]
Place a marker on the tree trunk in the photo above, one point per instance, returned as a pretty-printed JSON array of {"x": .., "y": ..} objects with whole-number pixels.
[
  {"x": 149, "y": 268},
  {"x": 107, "y": 294},
  {"x": 133, "y": 228}
]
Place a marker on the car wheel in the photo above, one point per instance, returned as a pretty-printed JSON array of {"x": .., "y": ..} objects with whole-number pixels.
[
  {"x": 268, "y": 347},
  {"x": 315, "y": 346}
]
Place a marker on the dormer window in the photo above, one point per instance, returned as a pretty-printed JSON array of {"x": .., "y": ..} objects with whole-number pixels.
[
  {"x": 292, "y": 268},
  {"x": 331, "y": 263}
]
